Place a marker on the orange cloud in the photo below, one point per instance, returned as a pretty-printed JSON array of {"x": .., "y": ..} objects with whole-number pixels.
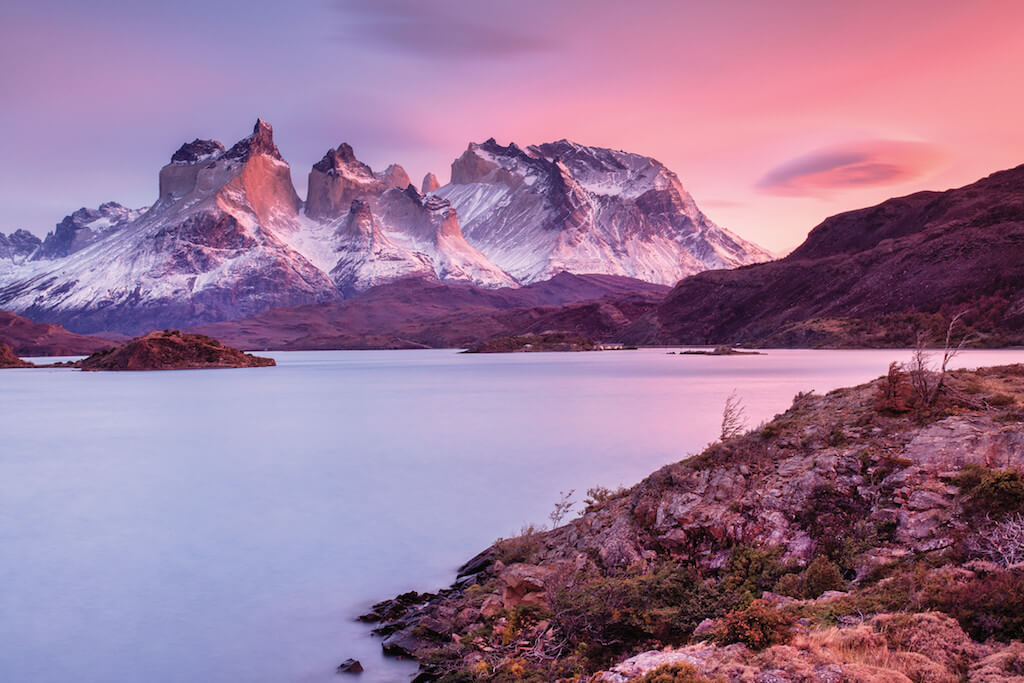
[{"x": 854, "y": 165}]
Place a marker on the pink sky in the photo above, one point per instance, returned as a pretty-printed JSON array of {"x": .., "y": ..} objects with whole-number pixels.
[{"x": 774, "y": 115}]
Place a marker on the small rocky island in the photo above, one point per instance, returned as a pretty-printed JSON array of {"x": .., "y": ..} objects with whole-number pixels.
[
  {"x": 875, "y": 533},
  {"x": 548, "y": 341},
  {"x": 164, "y": 350},
  {"x": 717, "y": 351},
  {"x": 172, "y": 350}
]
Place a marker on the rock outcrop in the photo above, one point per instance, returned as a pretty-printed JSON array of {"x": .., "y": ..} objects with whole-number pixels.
[
  {"x": 395, "y": 176},
  {"x": 172, "y": 350},
  {"x": 855, "y": 507},
  {"x": 429, "y": 184},
  {"x": 336, "y": 180}
]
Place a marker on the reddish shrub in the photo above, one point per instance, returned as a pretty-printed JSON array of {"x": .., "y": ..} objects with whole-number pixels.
[{"x": 758, "y": 627}]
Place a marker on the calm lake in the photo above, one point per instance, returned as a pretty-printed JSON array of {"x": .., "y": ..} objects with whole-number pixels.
[{"x": 208, "y": 526}]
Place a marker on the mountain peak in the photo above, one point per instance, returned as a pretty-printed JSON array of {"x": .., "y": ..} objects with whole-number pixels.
[
  {"x": 197, "y": 150},
  {"x": 345, "y": 153},
  {"x": 585, "y": 209},
  {"x": 337, "y": 179},
  {"x": 342, "y": 157},
  {"x": 430, "y": 183},
  {"x": 260, "y": 142},
  {"x": 395, "y": 176},
  {"x": 19, "y": 245}
]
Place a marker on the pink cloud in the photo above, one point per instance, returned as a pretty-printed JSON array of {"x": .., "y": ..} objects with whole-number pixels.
[{"x": 855, "y": 165}]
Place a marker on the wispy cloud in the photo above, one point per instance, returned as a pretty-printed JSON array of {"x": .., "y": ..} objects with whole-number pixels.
[
  {"x": 852, "y": 165},
  {"x": 436, "y": 30}
]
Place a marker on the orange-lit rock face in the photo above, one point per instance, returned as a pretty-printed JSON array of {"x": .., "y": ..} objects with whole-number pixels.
[
  {"x": 267, "y": 184},
  {"x": 336, "y": 180},
  {"x": 429, "y": 184}
]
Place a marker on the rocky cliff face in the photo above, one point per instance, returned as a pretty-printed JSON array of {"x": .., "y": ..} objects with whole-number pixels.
[
  {"x": 366, "y": 257},
  {"x": 563, "y": 206},
  {"x": 336, "y": 180},
  {"x": 846, "y": 508},
  {"x": 380, "y": 230},
  {"x": 429, "y": 184},
  {"x": 872, "y": 277}
]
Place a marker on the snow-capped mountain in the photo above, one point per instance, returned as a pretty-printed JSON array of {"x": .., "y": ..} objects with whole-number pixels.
[
  {"x": 84, "y": 227},
  {"x": 208, "y": 249},
  {"x": 229, "y": 237},
  {"x": 378, "y": 230},
  {"x": 561, "y": 206}
]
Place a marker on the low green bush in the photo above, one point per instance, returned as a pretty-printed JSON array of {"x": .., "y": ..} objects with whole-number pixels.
[{"x": 988, "y": 492}]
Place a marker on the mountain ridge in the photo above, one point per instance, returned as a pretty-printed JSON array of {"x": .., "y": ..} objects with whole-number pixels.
[
  {"x": 588, "y": 209},
  {"x": 228, "y": 236}
]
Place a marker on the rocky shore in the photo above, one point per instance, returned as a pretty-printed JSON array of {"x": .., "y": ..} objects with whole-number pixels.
[{"x": 864, "y": 535}]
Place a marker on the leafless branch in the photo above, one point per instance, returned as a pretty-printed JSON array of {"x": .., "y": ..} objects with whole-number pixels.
[
  {"x": 733, "y": 418},
  {"x": 1003, "y": 541}
]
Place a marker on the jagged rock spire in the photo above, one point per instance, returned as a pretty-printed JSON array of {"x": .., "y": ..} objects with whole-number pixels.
[
  {"x": 430, "y": 183},
  {"x": 260, "y": 142}
]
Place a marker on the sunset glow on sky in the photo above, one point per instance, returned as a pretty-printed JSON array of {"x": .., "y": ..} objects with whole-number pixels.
[{"x": 774, "y": 114}]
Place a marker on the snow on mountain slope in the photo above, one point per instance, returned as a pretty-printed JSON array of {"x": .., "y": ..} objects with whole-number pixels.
[
  {"x": 207, "y": 250},
  {"x": 379, "y": 230},
  {"x": 565, "y": 207},
  {"x": 84, "y": 227}
]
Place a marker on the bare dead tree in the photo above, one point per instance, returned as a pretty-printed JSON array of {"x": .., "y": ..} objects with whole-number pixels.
[
  {"x": 926, "y": 381},
  {"x": 734, "y": 420},
  {"x": 562, "y": 507},
  {"x": 1003, "y": 541},
  {"x": 948, "y": 353}
]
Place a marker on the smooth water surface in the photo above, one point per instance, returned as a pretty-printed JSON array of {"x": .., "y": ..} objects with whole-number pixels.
[{"x": 228, "y": 525}]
